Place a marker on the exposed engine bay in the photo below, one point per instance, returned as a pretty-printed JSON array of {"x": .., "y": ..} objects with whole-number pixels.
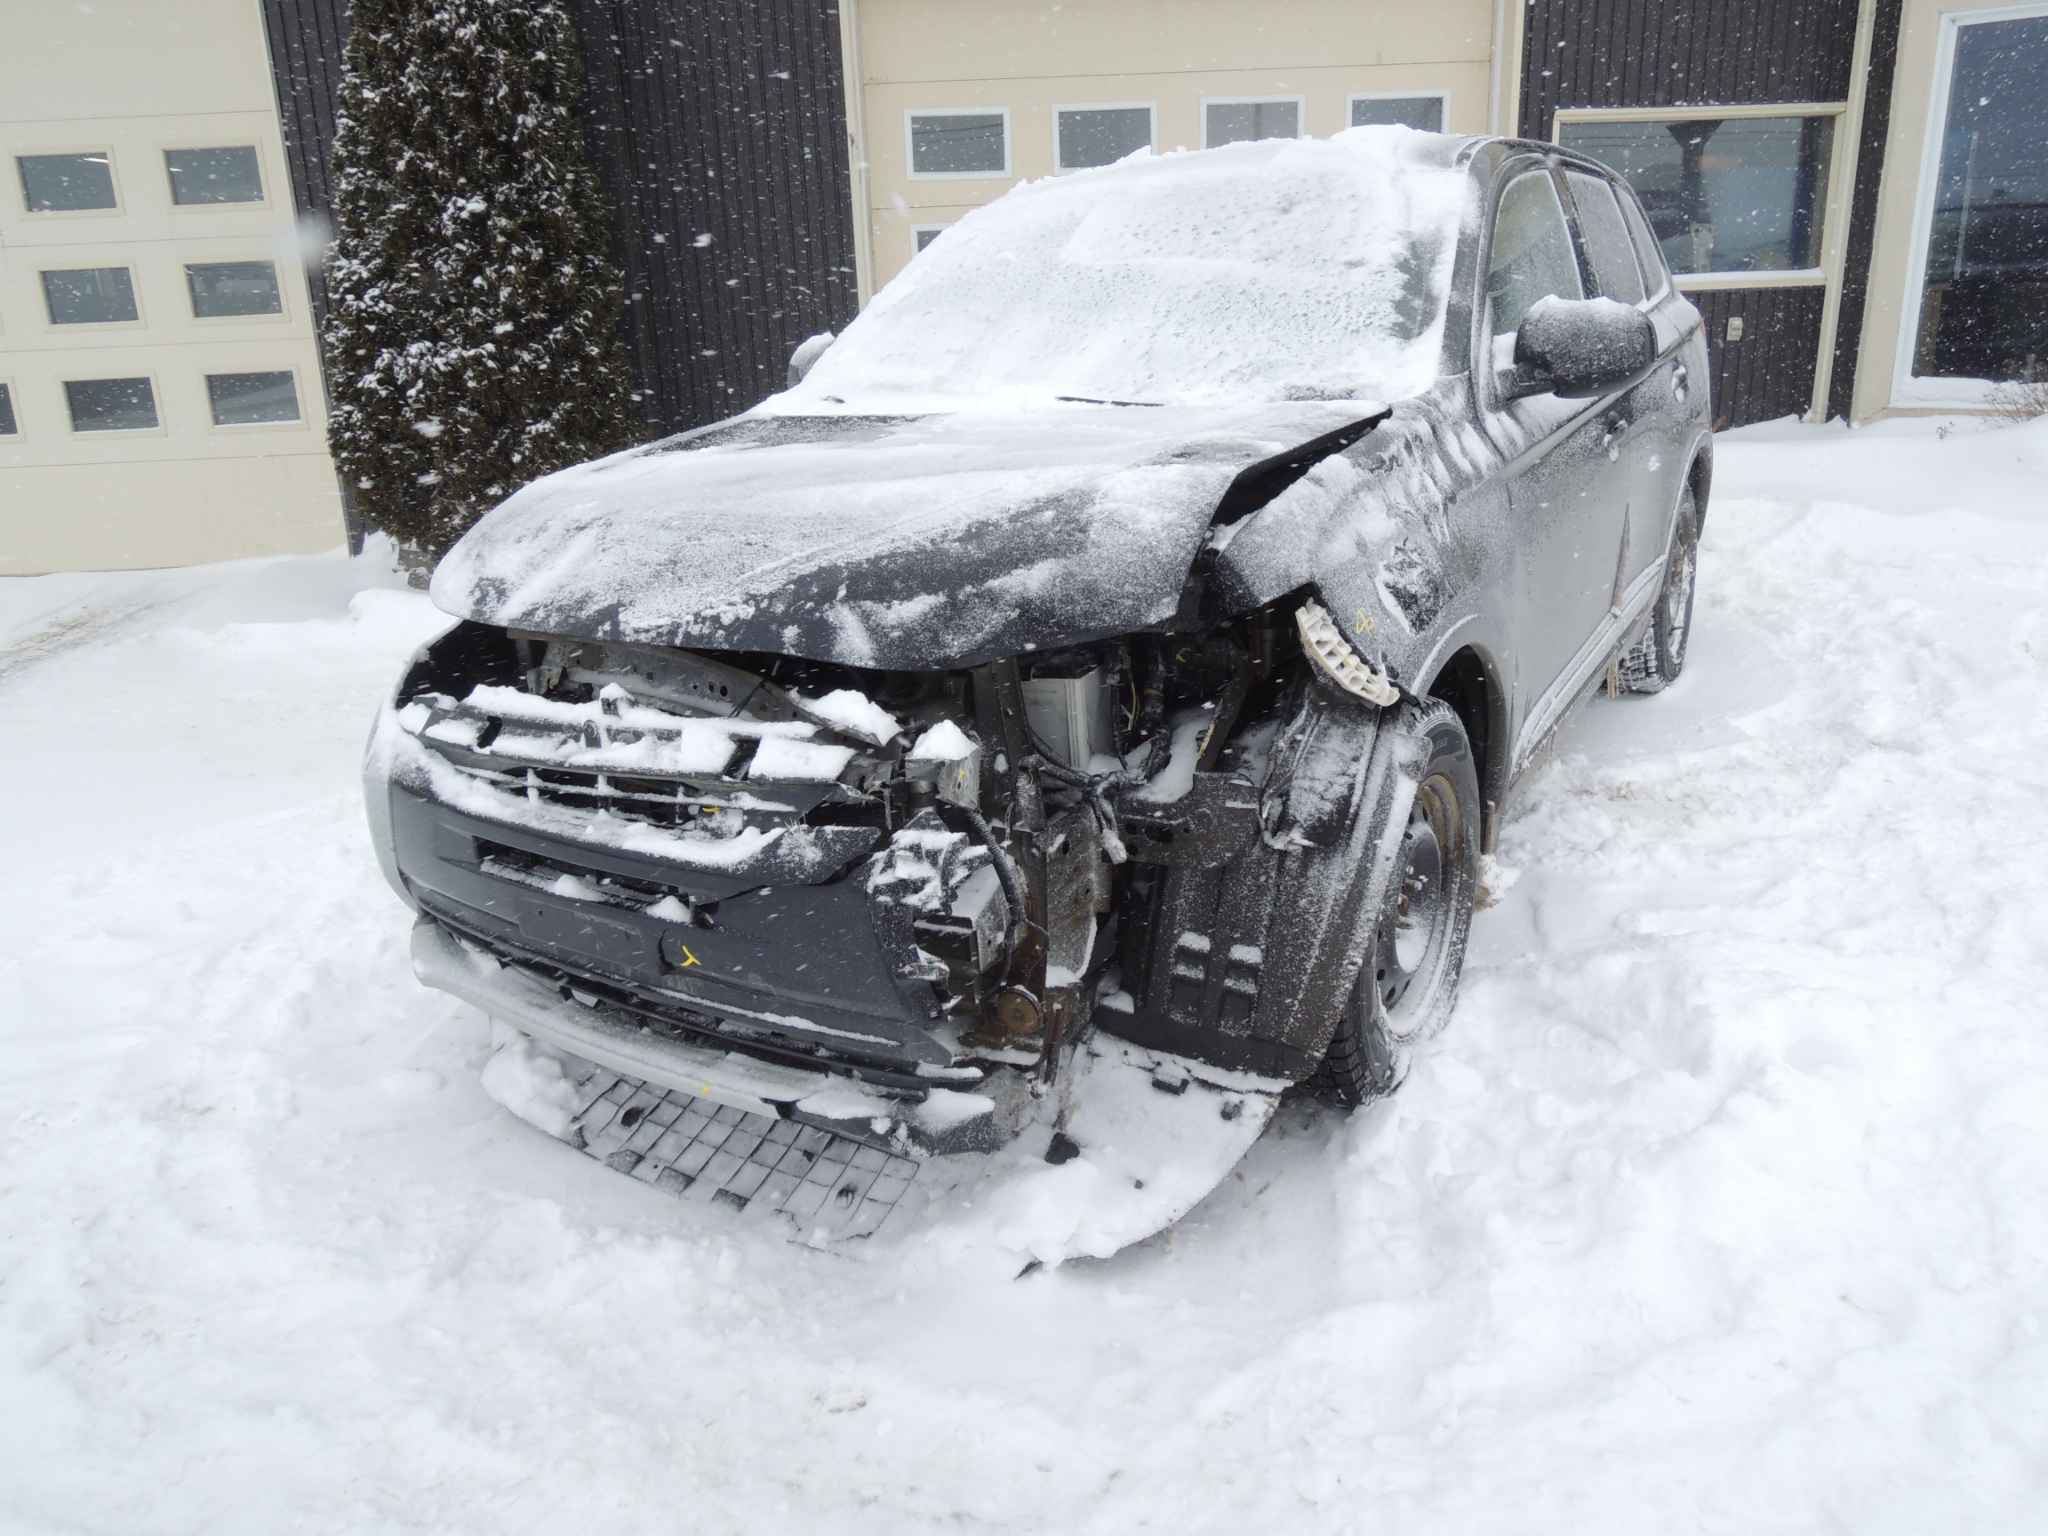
[{"x": 934, "y": 887}]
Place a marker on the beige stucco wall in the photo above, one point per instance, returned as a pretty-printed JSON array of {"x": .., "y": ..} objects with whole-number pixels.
[
  {"x": 1890, "y": 312},
  {"x": 1030, "y": 57},
  {"x": 133, "y": 78}
]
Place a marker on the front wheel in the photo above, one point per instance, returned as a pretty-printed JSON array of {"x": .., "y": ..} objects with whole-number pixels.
[{"x": 1409, "y": 982}]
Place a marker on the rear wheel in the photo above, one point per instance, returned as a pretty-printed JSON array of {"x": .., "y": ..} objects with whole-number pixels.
[
  {"x": 1653, "y": 663},
  {"x": 1409, "y": 982}
]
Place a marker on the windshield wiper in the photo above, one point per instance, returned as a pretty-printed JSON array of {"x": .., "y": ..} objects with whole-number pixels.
[{"x": 1091, "y": 400}]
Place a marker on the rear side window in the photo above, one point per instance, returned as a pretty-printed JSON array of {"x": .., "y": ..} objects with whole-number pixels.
[
  {"x": 1656, "y": 277},
  {"x": 1607, "y": 243},
  {"x": 1532, "y": 256}
]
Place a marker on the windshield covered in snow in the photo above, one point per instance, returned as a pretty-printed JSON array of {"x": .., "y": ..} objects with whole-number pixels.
[{"x": 1284, "y": 269}]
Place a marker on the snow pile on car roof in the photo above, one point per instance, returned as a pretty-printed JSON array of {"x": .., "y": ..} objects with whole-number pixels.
[{"x": 1271, "y": 270}]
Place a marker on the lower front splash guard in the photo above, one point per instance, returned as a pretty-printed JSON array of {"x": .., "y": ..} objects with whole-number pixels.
[{"x": 1147, "y": 1134}]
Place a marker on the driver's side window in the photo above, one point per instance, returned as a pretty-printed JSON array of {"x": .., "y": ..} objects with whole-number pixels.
[{"x": 1532, "y": 258}]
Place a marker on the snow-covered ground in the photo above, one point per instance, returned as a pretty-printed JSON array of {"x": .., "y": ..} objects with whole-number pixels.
[{"x": 1722, "y": 1206}]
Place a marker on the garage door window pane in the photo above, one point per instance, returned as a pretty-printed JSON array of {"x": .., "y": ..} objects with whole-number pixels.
[
  {"x": 1723, "y": 194},
  {"x": 65, "y": 183},
  {"x": 1984, "y": 310},
  {"x": 1424, "y": 112},
  {"x": 1102, "y": 135},
  {"x": 8, "y": 427},
  {"x": 245, "y": 399},
  {"x": 223, "y": 288},
  {"x": 89, "y": 296},
  {"x": 1606, "y": 237},
  {"x": 110, "y": 405},
  {"x": 925, "y": 237},
  {"x": 225, "y": 175},
  {"x": 1233, "y": 122},
  {"x": 959, "y": 144}
]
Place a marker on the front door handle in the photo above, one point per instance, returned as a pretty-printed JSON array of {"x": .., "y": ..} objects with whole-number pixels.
[
  {"x": 1611, "y": 434},
  {"x": 1681, "y": 383}
]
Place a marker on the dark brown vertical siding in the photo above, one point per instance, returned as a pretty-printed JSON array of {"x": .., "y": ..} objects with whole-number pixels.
[
  {"x": 715, "y": 120},
  {"x": 1664, "y": 53},
  {"x": 1660, "y": 53}
]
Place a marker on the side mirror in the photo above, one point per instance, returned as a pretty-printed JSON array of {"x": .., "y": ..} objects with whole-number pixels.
[
  {"x": 806, "y": 356},
  {"x": 1579, "y": 347}
]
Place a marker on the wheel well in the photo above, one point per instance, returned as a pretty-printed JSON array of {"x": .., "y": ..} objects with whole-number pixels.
[
  {"x": 1700, "y": 477},
  {"x": 1467, "y": 684}
]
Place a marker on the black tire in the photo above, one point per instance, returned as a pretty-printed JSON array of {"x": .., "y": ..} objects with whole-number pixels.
[
  {"x": 1409, "y": 982},
  {"x": 1653, "y": 663}
]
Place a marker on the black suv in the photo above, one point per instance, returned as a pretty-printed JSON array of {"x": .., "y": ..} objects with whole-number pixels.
[{"x": 1119, "y": 644}]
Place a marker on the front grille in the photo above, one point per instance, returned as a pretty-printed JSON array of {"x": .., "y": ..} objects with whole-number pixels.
[{"x": 658, "y": 802}]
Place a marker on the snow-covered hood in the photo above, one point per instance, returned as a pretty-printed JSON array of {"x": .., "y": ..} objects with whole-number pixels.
[{"x": 907, "y": 542}]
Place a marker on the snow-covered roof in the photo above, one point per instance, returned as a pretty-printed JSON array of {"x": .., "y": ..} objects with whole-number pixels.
[{"x": 1259, "y": 271}]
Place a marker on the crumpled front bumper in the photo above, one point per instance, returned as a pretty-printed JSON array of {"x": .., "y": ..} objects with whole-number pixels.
[{"x": 595, "y": 1029}]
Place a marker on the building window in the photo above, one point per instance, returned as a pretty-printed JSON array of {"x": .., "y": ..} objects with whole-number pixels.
[
  {"x": 90, "y": 296},
  {"x": 66, "y": 183},
  {"x": 960, "y": 142},
  {"x": 1726, "y": 196},
  {"x": 225, "y": 175},
  {"x": 250, "y": 399},
  {"x": 1099, "y": 135},
  {"x": 1424, "y": 112},
  {"x": 1981, "y": 307},
  {"x": 224, "y": 288},
  {"x": 1606, "y": 235},
  {"x": 1235, "y": 121},
  {"x": 925, "y": 234},
  {"x": 8, "y": 425},
  {"x": 110, "y": 405},
  {"x": 1531, "y": 257}
]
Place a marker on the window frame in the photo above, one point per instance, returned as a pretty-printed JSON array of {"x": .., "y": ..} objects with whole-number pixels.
[
  {"x": 13, "y": 393},
  {"x": 1150, "y": 109},
  {"x": 19, "y": 153},
  {"x": 1833, "y": 211},
  {"x": 934, "y": 230},
  {"x": 164, "y": 153},
  {"x": 1590, "y": 272},
  {"x": 1909, "y": 389},
  {"x": 55, "y": 327},
  {"x": 273, "y": 317},
  {"x": 1443, "y": 97},
  {"x": 156, "y": 399},
  {"x": 1300, "y": 114},
  {"x": 912, "y": 114},
  {"x": 297, "y": 423}
]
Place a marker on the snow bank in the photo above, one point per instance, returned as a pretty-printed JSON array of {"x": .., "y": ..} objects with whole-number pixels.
[
  {"x": 1718, "y": 1207},
  {"x": 1253, "y": 271}
]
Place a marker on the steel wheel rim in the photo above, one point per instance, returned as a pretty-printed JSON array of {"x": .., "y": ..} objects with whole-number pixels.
[{"x": 1413, "y": 937}]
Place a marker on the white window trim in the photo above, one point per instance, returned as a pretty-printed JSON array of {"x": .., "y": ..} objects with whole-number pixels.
[
  {"x": 14, "y": 401},
  {"x": 1908, "y": 389},
  {"x": 234, "y": 428},
  {"x": 284, "y": 298},
  {"x": 19, "y": 193},
  {"x": 912, "y": 114},
  {"x": 1149, "y": 108},
  {"x": 1430, "y": 95},
  {"x": 156, "y": 396},
  {"x": 1833, "y": 234},
  {"x": 1300, "y": 112},
  {"x": 164, "y": 153},
  {"x": 90, "y": 327},
  {"x": 934, "y": 230}
]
